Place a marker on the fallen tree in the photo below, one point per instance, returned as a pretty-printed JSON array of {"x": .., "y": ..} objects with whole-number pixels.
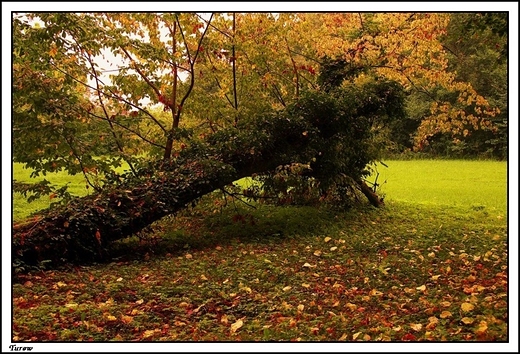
[{"x": 330, "y": 131}]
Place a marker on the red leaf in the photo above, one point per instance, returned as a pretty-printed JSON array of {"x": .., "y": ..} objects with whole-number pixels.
[{"x": 409, "y": 337}]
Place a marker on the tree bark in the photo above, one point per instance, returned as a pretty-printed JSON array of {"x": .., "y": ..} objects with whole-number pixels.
[
  {"x": 81, "y": 231},
  {"x": 372, "y": 197}
]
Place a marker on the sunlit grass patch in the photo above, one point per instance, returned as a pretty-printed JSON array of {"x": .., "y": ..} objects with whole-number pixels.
[{"x": 472, "y": 184}]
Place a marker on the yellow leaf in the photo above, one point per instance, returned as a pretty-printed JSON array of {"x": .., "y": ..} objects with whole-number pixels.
[
  {"x": 111, "y": 318},
  {"x": 351, "y": 306},
  {"x": 397, "y": 328},
  {"x": 306, "y": 286},
  {"x": 317, "y": 253},
  {"x": 224, "y": 319},
  {"x": 307, "y": 265},
  {"x": 467, "y": 320},
  {"x": 235, "y": 326},
  {"x": 445, "y": 304},
  {"x": 301, "y": 307},
  {"x": 482, "y": 327},
  {"x": 445, "y": 314},
  {"x": 480, "y": 288},
  {"x": 409, "y": 290},
  {"x": 355, "y": 335},
  {"x": 203, "y": 277},
  {"x": 416, "y": 327},
  {"x": 247, "y": 289},
  {"x": 287, "y": 288},
  {"x": 327, "y": 239},
  {"x": 433, "y": 321},
  {"x": 71, "y": 305},
  {"x": 148, "y": 333},
  {"x": 435, "y": 277},
  {"x": 189, "y": 256},
  {"x": 421, "y": 288},
  {"x": 343, "y": 337},
  {"x": 119, "y": 279},
  {"x": 139, "y": 302},
  {"x": 466, "y": 307},
  {"x": 333, "y": 248},
  {"x": 375, "y": 292}
]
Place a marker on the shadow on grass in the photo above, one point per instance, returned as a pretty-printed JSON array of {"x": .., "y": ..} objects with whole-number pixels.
[{"x": 204, "y": 228}]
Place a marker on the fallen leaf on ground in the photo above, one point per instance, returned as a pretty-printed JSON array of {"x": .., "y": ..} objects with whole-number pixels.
[
  {"x": 235, "y": 326},
  {"x": 466, "y": 307},
  {"x": 416, "y": 327},
  {"x": 467, "y": 320},
  {"x": 127, "y": 319},
  {"x": 482, "y": 328},
  {"x": 445, "y": 314}
]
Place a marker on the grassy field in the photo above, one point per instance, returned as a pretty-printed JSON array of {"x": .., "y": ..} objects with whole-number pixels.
[
  {"x": 464, "y": 183},
  {"x": 22, "y": 209},
  {"x": 432, "y": 265}
]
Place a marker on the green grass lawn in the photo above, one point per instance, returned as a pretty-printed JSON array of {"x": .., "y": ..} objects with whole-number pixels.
[
  {"x": 22, "y": 209},
  {"x": 471, "y": 184},
  {"x": 432, "y": 265}
]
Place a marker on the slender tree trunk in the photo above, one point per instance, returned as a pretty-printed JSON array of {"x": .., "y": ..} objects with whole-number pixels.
[
  {"x": 173, "y": 106},
  {"x": 372, "y": 197},
  {"x": 234, "y": 61}
]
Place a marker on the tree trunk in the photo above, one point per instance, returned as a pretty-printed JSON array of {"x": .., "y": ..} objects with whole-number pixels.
[
  {"x": 81, "y": 231},
  {"x": 372, "y": 197}
]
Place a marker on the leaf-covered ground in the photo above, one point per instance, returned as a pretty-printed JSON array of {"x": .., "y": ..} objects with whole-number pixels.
[{"x": 403, "y": 273}]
